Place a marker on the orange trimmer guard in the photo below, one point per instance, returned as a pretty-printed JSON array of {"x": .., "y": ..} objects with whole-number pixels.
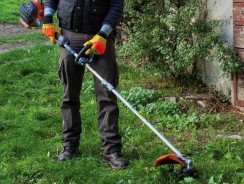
[{"x": 168, "y": 159}]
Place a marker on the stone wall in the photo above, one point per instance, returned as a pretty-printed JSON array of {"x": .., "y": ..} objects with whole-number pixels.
[{"x": 210, "y": 72}]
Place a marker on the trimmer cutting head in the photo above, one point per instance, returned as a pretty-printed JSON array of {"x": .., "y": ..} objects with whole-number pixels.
[{"x": 186, "y": 170}]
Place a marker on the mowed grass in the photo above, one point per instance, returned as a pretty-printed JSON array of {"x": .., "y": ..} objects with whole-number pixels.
[
  {"x": 30, "y": 124},
  {"x": 35, "y": 38},
  {"x": 10, "y": 10}
]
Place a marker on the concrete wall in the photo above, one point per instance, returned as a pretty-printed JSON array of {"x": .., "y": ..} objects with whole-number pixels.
[{"x": 210, "y": 72}]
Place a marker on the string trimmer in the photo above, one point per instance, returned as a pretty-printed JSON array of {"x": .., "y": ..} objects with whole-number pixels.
[{"x": 34, "y": 11}]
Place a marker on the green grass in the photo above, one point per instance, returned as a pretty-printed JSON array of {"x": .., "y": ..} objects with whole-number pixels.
[
  {"x": 30, "y": 124},
  {"x": 10, "y": 10},
  {"x": 36, "y": 38}
]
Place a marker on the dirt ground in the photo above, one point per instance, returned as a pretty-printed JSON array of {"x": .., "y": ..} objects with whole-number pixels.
[{"x": 14, "y": 29}]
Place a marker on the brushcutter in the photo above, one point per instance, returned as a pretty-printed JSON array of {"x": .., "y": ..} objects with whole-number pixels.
[{"x": 31, "y": 12}]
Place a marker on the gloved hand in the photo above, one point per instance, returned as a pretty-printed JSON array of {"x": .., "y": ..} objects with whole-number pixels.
[
  {"x": 98, "y": 43},
  {"x": 49, "y": 29}
]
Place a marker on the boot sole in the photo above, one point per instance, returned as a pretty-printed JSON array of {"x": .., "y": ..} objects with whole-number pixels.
[{"x": 114, "y": 167}]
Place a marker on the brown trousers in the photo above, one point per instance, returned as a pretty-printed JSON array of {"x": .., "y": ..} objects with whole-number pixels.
[{"x": 71, "y": 76}]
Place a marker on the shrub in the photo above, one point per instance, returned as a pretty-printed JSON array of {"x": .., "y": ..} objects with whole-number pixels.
[{"x": 174, "y": 35}]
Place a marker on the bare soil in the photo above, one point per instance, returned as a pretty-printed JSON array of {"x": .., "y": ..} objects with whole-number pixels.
[{"x": 11, "y": 30}]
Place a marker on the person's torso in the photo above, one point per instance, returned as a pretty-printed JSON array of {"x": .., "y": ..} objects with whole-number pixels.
[{"x": 84, "y": 16}]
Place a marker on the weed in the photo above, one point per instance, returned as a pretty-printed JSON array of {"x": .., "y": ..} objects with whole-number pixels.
[{"x": 139, "y": 96}]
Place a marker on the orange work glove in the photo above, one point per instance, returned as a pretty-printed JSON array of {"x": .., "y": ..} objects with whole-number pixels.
[
  {"x": 49, "y": 29},
  {"x": 98, "y": 43}
]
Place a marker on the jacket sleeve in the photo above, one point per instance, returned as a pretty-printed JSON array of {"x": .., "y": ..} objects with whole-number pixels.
[
  {"x": 50, "y": 7},
  {"x": 115, "y": 13}
]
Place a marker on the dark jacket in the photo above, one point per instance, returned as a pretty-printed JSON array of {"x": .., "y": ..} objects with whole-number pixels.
[{"x": 87, "y": 16}]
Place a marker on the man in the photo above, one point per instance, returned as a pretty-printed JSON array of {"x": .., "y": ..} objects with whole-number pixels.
[{"x": 88, "y": 22}]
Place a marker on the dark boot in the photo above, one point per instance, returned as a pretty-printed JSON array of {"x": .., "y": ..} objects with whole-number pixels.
[
  {"x": 67, "y": 153},
  {"x": 116, "y": 160}
]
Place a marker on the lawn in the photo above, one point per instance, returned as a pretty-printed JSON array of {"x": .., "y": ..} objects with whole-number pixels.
[{"x": 30, "y": 123}]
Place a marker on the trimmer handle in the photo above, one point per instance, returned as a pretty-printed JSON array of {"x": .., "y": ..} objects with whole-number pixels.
[{"x": 82, "y": 57}]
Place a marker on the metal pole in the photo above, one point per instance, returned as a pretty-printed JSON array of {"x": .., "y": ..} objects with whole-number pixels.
[{"x": 177, "y": 152}]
